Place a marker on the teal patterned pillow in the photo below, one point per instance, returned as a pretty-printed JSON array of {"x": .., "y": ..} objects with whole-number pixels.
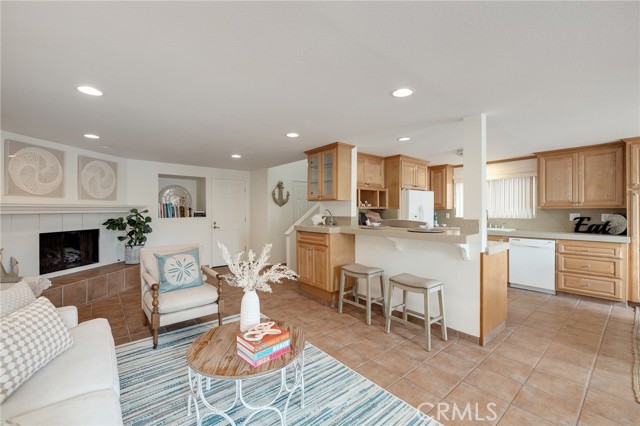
[{"x": 179, "y": 270}]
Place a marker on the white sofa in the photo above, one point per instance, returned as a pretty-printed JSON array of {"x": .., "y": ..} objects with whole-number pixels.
[{"x": 79, "y": 387}]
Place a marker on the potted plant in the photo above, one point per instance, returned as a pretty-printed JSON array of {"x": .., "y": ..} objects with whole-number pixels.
[{"x": 137, "y": 226}]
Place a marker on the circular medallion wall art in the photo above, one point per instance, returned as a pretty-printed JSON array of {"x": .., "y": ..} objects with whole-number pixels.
[
  {"x": 98, "y": 179},
  {"x": 35, "y": 170}
]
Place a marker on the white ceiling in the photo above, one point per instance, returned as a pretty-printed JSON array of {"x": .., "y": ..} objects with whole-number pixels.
[{"x": 196, "y": 82}]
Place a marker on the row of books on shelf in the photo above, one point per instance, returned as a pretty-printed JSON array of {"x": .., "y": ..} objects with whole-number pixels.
[
  {"x": 169, "y": 210},
  {"x": 268, "y": 348}
]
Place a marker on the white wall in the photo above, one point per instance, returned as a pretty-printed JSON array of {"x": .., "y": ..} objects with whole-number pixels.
[
  {"x": 270, "y": 224},
  {"x": 143, "y": 190},
  {"x": 138, "y": 184},
  {"x": 70, "y": 174},
  {"x": 259, "y": 215}
]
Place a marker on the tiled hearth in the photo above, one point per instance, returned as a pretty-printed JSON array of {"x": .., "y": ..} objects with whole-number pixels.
[{"x": 92, "y": 285}]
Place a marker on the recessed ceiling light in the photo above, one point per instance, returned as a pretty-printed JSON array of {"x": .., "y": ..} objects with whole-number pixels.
[
  {"x": 90, "y": 136},
  {"x": 88, "y": 90},
  {"x": 105, "y": 146},
  {"x": 404, "y": 139},
  {"x": 292, "y": 135},
  {"x": 402, "y": 92},
  {"x": 236, "y": 156}
]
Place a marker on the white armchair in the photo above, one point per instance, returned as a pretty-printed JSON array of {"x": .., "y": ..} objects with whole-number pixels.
[{"x": 162, "y": 309}]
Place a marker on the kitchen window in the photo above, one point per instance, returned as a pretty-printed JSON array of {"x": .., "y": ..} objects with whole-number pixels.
[
  {"x": 458, "y": 198},
  {"x": 512, "y": 198},
  {"x": 511, "y": 189}
]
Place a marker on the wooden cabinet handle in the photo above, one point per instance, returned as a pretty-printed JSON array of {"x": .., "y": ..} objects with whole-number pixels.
[
  {"x": 586, "y": 285},
  {"x": 587, "y": 266}
]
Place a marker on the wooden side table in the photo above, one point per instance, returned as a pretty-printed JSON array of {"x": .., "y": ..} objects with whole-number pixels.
[{"x": 213, "y": 356}]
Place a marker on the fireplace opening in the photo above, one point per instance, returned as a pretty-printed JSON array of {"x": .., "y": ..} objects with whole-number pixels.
[{"x": 68, "y": 249}]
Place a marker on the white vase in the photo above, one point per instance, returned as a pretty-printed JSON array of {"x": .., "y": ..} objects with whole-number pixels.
[{"x": 249, "y": 310}]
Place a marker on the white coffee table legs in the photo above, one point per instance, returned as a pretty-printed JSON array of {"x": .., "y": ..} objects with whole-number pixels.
[{"x": 199, "y": 383}]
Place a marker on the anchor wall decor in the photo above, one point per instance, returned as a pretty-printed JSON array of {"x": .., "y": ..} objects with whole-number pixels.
[{"x": 279, "y": 200}]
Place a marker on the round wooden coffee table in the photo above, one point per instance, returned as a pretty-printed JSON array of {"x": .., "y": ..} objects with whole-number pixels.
[{"x": 213, "y": 356}]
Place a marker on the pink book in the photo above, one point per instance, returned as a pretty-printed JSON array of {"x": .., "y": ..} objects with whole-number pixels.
[{"x": 264, "y": 360}]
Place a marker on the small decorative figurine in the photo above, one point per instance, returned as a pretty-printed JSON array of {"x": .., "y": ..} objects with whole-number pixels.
[{"x": 9, "y": 277}]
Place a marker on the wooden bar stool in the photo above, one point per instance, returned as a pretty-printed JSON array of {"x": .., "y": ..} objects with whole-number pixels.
[
  {"x": 365, "y": 272},
  {"x": 414, "y": 284}
]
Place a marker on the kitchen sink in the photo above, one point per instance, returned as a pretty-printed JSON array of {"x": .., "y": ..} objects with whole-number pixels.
[{"x": 502, "y": 229}]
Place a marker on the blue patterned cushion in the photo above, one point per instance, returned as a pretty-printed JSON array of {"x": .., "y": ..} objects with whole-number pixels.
[{"x": 179, "y": 270}]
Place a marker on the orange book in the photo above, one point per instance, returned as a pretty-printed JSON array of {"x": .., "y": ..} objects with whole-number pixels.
[{"x": 267, "y": 341}]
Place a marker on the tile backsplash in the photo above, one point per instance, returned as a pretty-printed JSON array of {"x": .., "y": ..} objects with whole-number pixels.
[{"x": 545, "y": 220}]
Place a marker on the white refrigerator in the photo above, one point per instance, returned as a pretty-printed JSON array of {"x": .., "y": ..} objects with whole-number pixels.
[{"x": 417, "y": 205}]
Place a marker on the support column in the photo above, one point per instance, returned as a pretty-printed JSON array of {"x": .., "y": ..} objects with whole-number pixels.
[{"x": 475, "y": 172}]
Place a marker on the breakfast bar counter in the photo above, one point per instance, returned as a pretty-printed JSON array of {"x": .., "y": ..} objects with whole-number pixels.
[
  {"x": 440, "y": 235},
  {"x": 452, "y": 256}
]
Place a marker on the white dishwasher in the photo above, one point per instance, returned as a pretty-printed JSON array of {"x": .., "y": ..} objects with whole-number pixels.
[{"x": 532, "y": 264}]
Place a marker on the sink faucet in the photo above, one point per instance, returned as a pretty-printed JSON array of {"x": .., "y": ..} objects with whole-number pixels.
[{"x": 332, "y": 220}]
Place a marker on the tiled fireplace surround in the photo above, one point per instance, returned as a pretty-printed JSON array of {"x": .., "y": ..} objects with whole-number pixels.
[{"x": 20, "y": 238}]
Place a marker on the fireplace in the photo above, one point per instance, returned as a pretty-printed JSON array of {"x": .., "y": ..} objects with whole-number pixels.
[{"x": 69, "y": 249}]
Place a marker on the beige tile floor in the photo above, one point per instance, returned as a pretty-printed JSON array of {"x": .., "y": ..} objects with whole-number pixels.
[{"x": 562, "y": 360}]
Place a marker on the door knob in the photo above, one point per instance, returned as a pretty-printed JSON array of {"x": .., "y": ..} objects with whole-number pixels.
[{"x": 215, "y": 226}]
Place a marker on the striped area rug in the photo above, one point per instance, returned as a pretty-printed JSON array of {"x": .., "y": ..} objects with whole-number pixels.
[{"x": 154, "y": 388}]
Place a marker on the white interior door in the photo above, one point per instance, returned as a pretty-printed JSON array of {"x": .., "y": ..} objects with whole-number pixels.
[
  {"x": 228, "y": 217},
  {"x": 300, "y": 203}
]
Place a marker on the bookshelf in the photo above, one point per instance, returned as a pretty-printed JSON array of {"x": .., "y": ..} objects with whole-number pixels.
[{"x": 181, "y": 196}]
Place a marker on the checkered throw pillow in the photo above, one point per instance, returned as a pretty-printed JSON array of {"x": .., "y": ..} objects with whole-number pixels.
[
  {"x": 29, "y": 339},
  {"x": 15, "y": 297}
]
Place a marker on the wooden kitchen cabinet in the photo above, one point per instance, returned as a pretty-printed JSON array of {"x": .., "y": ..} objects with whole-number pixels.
[
  {"x": 414, "y": 174},
  {"x": 319, "y": 259},
  {"x": 494, "y": 280},
  {"x": 401, "y": 171},
  {"x": 441, "y": 183},
  {"x": 591, "y": 177},
  {"x": 370, "y": 171},
  {"x": 633, "y": 217},
  {"x": 329, "y": 172},
  {"x": 596, "y": 269}
]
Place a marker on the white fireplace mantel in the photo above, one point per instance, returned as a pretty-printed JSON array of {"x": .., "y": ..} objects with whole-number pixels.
[{"x": 15, "y": 208}]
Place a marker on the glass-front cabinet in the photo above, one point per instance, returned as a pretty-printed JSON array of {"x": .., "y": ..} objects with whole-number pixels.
[
  {"x": 329, "y": 172},
  {"x": 313, "y": 192}
]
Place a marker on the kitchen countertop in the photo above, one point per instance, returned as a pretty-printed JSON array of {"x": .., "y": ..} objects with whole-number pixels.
[
  {"x": 559, "y": 235},
  {"x": 453, "y": 236}
]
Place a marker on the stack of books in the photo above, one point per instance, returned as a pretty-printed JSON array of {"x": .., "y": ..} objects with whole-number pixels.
[
  {"x": 267, "y": 348},
  {"x": 169, "y": 210}
]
